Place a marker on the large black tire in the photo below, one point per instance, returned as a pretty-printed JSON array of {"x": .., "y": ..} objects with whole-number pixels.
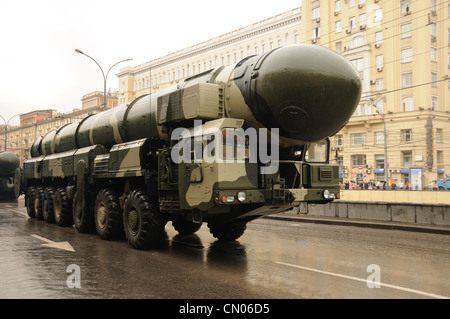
[
  {"x": 47, "y": 204},
  {"x": 108, "y": 215},
  {"x": 229, "y": 231},
  {"x": 143, "y": 222},
  {"x": 62, "y": 208},
  {"x": 38, "y": 200},
  {"x": 29, "y": 201},
  {"x": 185, "y": 227},
  {"x": 83, "y": 215}
]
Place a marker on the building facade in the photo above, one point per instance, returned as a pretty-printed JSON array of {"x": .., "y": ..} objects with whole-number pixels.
[
  {"x": 94, "y": 99},
  {"x": 19, "y": 139},
  {"x": 401, "y": 50}
]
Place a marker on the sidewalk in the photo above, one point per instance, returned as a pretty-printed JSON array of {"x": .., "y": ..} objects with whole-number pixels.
[{"x": 294, "y": 217}]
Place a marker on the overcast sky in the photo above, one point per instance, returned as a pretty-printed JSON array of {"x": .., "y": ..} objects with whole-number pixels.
[{"x": 40, "y": 69}]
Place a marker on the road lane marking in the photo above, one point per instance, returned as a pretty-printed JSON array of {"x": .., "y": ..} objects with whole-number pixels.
[
  {"x": 364, "y": 280},
  {"x": 64, "y": 245}
]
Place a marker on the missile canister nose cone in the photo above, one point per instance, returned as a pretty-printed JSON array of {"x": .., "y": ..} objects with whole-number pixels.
[
  {"x": 8, "y": 163},
  {"x": 307, "y": 91}
]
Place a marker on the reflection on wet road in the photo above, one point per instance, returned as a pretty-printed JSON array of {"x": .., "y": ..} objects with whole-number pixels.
[{"x": 273, "y": 259}]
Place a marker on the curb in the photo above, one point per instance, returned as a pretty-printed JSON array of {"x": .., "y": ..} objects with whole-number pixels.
[{"x": 363, "y": 223}]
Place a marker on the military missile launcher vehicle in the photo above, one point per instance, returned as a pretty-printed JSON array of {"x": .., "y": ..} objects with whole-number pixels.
[
  {"x": 223, "y": 147},
  {"x": 9, "y": 163}
]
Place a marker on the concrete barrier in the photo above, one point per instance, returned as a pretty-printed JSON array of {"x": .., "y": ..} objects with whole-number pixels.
[
  {"x": 396, "y": 196},
  {"x": 425, "y": 214}
]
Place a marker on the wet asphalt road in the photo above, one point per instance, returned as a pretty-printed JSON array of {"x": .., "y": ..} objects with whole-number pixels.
[{"x": 273, "y": 259}]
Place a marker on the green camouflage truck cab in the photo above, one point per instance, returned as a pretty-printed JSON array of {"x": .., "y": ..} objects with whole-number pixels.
[{"x": 224, "y": 147}]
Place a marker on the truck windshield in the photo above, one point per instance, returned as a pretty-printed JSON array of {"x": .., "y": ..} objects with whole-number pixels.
[{"x": 317, "y": 152}]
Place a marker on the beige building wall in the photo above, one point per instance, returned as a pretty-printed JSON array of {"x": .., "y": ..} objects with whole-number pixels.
[
  {"x": 21, "y": 138},
  {"x": 401, "y": 50}
]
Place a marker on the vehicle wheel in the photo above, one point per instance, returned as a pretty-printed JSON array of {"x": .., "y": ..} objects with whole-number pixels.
[
  {"x": 29, "y": 201},
  {"x": 185, "y": 227},
  {"x": 229, "y": 231},
  {"x": 62, "y": 208},
  {"x": 47, "y": 204},
  {"x": 142, "y": 220},
  {"x": 83, "y": 214},
  {"x": 38, "y": 200},
  {"x": 108, "y": 215}
]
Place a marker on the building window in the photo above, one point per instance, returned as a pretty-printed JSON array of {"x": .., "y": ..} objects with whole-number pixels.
[
  {"x": 362, "y": 20},
  {"x": 407, "y": 158},
  {"x": 380, "y": 84},
  {"x": 338, "y": 26},
  {"x": 340, "y": 161},
  {"x": 359, "y": 160},
  {"x": 433, "y": 54},
  {"x": 407, "y": 104},
  {"x": 316, "y": 33},
  {"x": 316, "y": 13},
  {"x": 434, "y": 103},
  {"x": 339, "y": 48},
  {"x": 358, "y": 138},
  {"x": 352, "y": 22},
  {"x": 439, "y": 135},
  {"x": 406, "y": 135},
  {"x": 379, "y": 137},
  {"x": 379, "y": 37},
  {"x": 379, "y": 161},
  {"x": 358, "y": 64},
  {"x": 379, "y": 61},
  {"x": 407, "y": 80},
  {"x": 338, "y": 8},
  {"x": 351, "y": 3},
  {"x": 434, "y": 77},
  {"x": 378, "y": 15},
  {"x": 406, "y": 55},
  {"x": 406, "y": 30},
  {"x": 405, "y": 6},
  {"x": 358, "y": 41},
  {"x": 433, "y": 29},
  {"x": 338, "y": 140}
]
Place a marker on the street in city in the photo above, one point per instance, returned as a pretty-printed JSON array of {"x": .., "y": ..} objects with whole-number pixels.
[{"x": 274, "y": 259}]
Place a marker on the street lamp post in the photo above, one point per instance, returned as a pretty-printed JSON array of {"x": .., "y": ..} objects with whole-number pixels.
[
  {"x": 6, "y": 127},
  {"x": 103, "y": 73},
  {"x": 386, "y": 163}
]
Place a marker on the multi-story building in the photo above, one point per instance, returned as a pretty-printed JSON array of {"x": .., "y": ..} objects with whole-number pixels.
[
  {"x": 19, "y": 139},
  {"x": 401, "y": 51},
  {"x": 94, "y": 99}
]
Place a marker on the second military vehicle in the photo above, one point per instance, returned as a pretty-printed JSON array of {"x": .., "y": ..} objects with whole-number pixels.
[{"x": 9, "y": 162}]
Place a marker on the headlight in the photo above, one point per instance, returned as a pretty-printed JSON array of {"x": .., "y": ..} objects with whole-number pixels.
[
  {"x": 241, "y": 196},
  {"x": 326, "y": 194}
]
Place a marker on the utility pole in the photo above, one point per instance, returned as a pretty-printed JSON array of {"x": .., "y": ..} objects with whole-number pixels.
[
  {"x": 6, "y": 128},
  {"x": 386, "y": 162},
  {"x": 103, "y": 73}
]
